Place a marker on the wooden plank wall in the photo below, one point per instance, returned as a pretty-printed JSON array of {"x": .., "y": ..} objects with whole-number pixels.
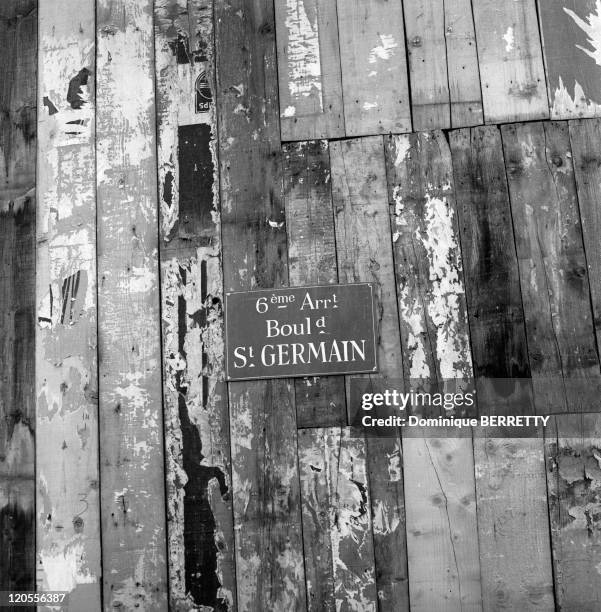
[{"x": 184, "y": 148}]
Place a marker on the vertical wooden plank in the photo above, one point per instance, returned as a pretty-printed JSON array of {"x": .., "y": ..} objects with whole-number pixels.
[
  {"x": 320, "y": 401},
  {"x": 510, "y": 58},
  {"x": 571, "y": 39},
  {"x": 336, "y": 520},
  {"x": 510, "y": 488},
  {"x": 462, "y": 64},
  {"x": 364, "y": 252},
  {"x": 552, "y": 266},
  {"x": 68, "y": 508},
  {"x": 308, "y": 56},
  {"x": 585, "y": 136},
  {"x": 374, "y": 73},
  {"x": 573, "y": 477},
  {"x": 18, "y": 42},
  {"x": 131, "y": 436},
  {"x": 442, "y": 533},
  {"x": 266, "y": 490},
  {"x": 430, "y": 103},
  {"x": 199, "y": 507}
]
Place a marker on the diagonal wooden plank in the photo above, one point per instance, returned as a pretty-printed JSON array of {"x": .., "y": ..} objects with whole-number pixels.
[
  {"x": 18, "y": 45},
  {"x": 68, "y": 527},
  {"x": 573, "y": 477},
  {"x": 440, "y": 489},
  {"x": 336, "y": 520},
  {"x": 308, "y": 56},
  {"x": 130, "y": 393},
  {"x": 552, "y": 266},
  {"x": 199, "y": 506},
  {"x": 510, "y": 59},
  {"x": 320, "y": 401},
  {"x": 266, "y": 490},
  {"x": 511, "y": 499},
  {"x": 374, "y": 72},
  {"x": 364, "y": 253},
  {"x": 572, "y": 61}
]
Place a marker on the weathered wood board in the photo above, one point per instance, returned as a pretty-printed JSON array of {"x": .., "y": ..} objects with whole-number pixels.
[
  {"x": 68, "y": 505},
  {"x": 442, "y": 534},
  {"x": 374, "y": 71},
  {"x": 585, "y": 136},
  {"x": 320, "y": 401},
  {"x": 510, "y": 59},
  {"x": 571, "y": 38},
  {"x": 364, "y": 253},
  {"x": 18, "y": 45},
  {"x": 573, "y": 481},
  {"x": 337, "y": 531},
  {"x": 130, "y": 394},
  {"x": 310, "y": 85},
  {"x": 552, "y": 266},
  {"x": 199, "y": 506},
  {"x": 266, "y": 498},
  {"x": 510, "y": 487}
]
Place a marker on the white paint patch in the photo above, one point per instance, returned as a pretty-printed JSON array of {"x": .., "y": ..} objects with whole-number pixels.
[
  {"x": 369, "y": 105},
  {"x": 591, "y": 26},
  {"x": 384, "y": 50},
  {"x": 304, "y": 60},
  {"x": 579, "y": 106},
  {"x": 289, "y": 111},
  {"x": 508, "y": 37},
  {"x": 402, "y": 145},
  {"x": 65, "y": 569}
]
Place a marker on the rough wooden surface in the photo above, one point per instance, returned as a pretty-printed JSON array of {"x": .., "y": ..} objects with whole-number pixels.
[
  {"x": 585, "y": 137},
  {"x": 374, "y": 71},
  {"x": 131, "y": 432},
  {"x": 336, "y": 520},
  {"x": 364, "y": 252},
  {"x": 199, "y": 507},
  {"x": 320, "y": 401},
  {"x": 18, "y": 27},
  {"x": 552, "y": 265},
  {"x": 510, "y": 59},
  {"x": 573, "y": 480},
  {"x": 68, "y": 508},
  {"x": 571, "y": 37},
  {"x": 267, "y": 521},
  {"x": 308, "y": 55}
]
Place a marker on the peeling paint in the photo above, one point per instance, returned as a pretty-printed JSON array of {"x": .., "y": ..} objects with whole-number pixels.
[
  {"x": 564, "y": 105},
  {"x": 509, "y": 39},
  {"x": 384, "y": 50},
  {"x": 591, "y": 26}
]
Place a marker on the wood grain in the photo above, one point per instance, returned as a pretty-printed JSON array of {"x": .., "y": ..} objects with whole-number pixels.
[
  {"x": 308, "y": 55},
  {"x": 510, "y": 58},
  {"x": 572, "y": 450},
  {"x": 131, "y": 432},
  {"x": 68, "y": 508},
  {"x": 570, "y": 45},
  {"x": 320, "y": 401},
  {"x": 336, "y": 520},
  {"x": 585, "y": 136},
  {"x": 374, "y": 72},
  {"x": 18, "y": 44},
  {"x": 442, "y": 534},
  {"x": 552, "y": 264},
  {"x": 198, "y": 470},
  {"x": 267, "y": 521},
  {"x": 364, "y": 252}
]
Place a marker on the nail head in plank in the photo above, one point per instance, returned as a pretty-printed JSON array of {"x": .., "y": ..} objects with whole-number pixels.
[{"x": 131, "y": 432}]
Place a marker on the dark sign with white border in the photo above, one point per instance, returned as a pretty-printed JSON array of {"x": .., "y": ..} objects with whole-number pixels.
[{"x": 300, "y": 331}]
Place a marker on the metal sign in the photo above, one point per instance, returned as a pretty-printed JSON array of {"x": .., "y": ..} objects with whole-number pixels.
[{"x": 300, "y": 331}]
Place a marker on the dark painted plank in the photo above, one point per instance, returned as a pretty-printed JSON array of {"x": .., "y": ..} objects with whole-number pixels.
[
  {"x": 552, "y": 266},
  {"x": 199, "y": 506},
  {"x": 574, "y": 485},
  {"x": 570, "y": 45},
  {"x": 585, "y": 136},
  {"x": 320, "y": 401},
  {"x": 18, "y": 45},
  {"x": 266, "y": 491}
]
